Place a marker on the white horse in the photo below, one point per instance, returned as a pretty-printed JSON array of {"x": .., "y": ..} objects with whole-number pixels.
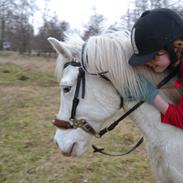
[{"x": 110, "y": 52}]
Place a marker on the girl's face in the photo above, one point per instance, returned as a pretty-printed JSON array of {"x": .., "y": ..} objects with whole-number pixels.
[{"x": 160, "y": 62}]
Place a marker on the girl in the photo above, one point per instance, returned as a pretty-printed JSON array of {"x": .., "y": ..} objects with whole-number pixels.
[{"x": 157, "y": 41}]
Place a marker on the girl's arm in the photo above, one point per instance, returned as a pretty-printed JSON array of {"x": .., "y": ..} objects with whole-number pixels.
[
  {"x": 160, "y": 104},
  {"x": 171, "y": 114}
]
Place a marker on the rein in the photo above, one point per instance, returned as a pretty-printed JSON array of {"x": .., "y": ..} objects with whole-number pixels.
[{"x": 115, "y": 123}]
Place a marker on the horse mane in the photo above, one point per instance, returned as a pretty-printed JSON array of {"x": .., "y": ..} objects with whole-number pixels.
[{"x": 110, "y": 52}]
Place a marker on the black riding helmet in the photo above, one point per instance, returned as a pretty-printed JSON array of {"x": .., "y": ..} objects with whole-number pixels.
[{"x": 155, "y": 30}]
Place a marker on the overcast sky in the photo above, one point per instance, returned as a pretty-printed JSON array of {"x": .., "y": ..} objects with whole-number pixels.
[{"x": 77, "y": 12}]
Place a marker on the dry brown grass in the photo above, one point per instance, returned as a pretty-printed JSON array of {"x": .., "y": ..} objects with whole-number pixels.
[{"x": 28, "y": 62}]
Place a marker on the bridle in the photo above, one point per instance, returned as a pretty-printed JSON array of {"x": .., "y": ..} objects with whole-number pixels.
[
  {"x": 76, "y": 123},
  {"x": 82, "y": 123},
  {"x": 79, "y": 123}
]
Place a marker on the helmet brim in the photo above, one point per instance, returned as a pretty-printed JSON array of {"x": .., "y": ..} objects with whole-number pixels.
[{"x": 141, "y": 59}]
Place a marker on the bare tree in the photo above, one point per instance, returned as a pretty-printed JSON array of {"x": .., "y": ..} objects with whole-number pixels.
[
  {"x": 25, "y": 9},
  {"x": 94, "y": 25},
  {"x": 14, "y": 23},
  {"x": 52, "y": 28},
  {"x": 6, "y": 9},
  {"x": 136, "y": 7}
]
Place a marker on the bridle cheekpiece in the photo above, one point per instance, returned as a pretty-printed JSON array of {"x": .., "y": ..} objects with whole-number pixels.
[{"x": 73, "y": 122}]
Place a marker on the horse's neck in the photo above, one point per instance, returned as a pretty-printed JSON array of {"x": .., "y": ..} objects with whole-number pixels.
[
  {"x": 102, "y": 94},
  {"x": 148, "y": 118}
]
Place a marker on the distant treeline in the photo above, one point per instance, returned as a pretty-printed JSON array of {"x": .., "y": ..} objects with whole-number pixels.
[{"x": 17, "y": 33}]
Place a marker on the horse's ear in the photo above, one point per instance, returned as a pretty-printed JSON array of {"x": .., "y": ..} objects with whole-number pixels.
[{"x": 60, "y": 47}]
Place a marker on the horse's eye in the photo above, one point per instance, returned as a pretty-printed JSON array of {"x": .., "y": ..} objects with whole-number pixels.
[{"x": 67, "y": 89}]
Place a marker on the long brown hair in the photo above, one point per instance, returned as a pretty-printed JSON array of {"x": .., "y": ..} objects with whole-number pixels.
[{"x": 178, "y": 45}]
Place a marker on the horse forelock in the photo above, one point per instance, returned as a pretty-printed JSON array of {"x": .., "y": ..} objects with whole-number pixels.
[{"x": 74, "y": 43}]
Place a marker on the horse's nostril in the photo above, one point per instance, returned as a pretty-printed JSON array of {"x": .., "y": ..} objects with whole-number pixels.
[
  {"x": 56, "y": 143},
  {"x": 70, "y": 151}
]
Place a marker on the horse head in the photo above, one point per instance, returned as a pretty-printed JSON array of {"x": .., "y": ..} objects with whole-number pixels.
[{"x": 97, "y": 99}]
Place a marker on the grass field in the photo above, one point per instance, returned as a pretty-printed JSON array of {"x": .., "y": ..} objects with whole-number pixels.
[{"x": 29, "y": 100}]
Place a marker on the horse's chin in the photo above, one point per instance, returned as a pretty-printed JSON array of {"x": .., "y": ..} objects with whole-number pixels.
[
  {"x": 72, "y": 147},
  {"x": 72, "y": 151}
]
